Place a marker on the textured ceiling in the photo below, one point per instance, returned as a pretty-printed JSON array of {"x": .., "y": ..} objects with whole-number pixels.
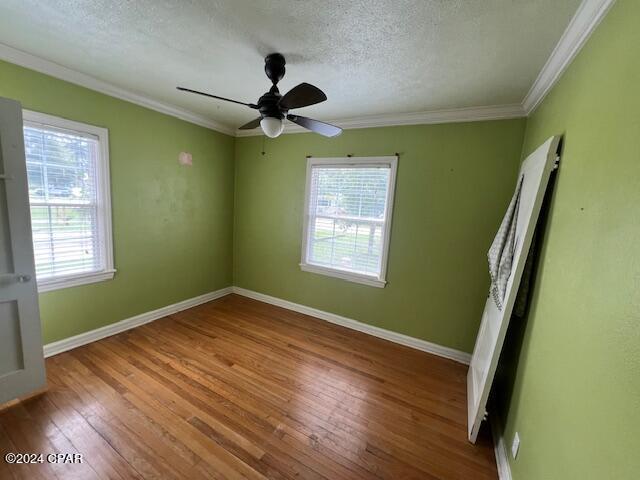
[{"x": 369, "y": 56}]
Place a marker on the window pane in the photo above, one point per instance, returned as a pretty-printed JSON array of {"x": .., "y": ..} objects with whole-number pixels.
[
  {"x": 61, "y": 166},
  {"x": 61, "y": 170},
  {"x": 347, "y": 214},
  {"x": 36, "y": 183},
  {"x": 350, "y": 191},
  {"x": 64, "y": 240}
]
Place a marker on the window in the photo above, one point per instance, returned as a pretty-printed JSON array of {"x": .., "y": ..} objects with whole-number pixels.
[
  {"x": 68, "y": 176},
  {"x": 347, "y": 218}
]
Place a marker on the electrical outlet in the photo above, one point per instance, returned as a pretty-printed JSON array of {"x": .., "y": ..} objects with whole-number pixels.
[{"x": 515, "y": 445}]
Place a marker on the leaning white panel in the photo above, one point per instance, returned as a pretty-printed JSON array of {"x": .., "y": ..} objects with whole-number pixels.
[{"x": 536, "y": 170}]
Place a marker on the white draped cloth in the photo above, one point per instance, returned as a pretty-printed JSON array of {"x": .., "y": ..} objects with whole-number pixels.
[{"x": 502, "y": 249}]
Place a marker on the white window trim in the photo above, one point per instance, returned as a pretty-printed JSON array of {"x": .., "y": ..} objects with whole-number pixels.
[
  {"x": 103, "y": 186},
  {"x": 372, "y": 280}
]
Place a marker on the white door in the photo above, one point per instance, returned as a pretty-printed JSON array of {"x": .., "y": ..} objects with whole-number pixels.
[
  {"x": 21, "y": 358},
  {"x": 535, "y": 171}
]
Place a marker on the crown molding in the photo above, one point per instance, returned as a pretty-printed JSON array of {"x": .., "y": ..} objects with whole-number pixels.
[
  {"x": 588, "y": 16},
  {"x": 584, "y": 22},
  {"x": 32, "y": 62},
  {"x": 454, "y": 115}
]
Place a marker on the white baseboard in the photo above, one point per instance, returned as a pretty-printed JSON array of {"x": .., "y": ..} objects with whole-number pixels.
[
  {"x": 405, "y": 340},
  {"x": 501, "y": 451},
  {"x": 500, "y": 448},
  {"x": 91, "y": 336}
]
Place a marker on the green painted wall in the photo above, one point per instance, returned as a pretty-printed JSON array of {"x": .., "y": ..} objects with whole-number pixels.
[
  {"x": 172, "y": 225},
  {"x": 572, "y": 386},
  {"x": 453, "y": 183},
  {"x": 576, "y": 396}
]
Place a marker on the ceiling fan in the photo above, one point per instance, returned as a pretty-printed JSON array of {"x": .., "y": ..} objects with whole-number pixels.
[{"x": 274, "y": 107}]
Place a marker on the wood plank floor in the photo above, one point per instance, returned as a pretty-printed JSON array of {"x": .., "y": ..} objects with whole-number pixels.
[{"x": 240, "y": 389}]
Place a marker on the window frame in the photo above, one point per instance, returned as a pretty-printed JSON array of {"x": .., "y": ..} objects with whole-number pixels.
[
  {"x": 103, "y": 198},
  {"x": 341, "y": 162}
]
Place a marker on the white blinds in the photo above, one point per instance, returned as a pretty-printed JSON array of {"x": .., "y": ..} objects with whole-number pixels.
[
  {"x": 62, "y": 168},
  {"x": 347, "y": 211}
]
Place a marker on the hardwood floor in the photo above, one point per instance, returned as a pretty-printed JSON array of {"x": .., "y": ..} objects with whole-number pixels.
[{"x": 240, "y": 389}]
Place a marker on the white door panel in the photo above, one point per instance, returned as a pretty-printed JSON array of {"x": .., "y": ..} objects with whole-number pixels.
[
  {"x": 535, "y": 171},
  {"x": 21, "y": 358}
]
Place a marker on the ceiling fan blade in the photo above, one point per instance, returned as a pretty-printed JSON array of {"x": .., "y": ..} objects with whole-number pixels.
[
  {"x": 250, "y": 105},
  {"x": 322, "y": 128},
  {"x": 252, "y": 124},
  {"x": 302, "y": 95}
]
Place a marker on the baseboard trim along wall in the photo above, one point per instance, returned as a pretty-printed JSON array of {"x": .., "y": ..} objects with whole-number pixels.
[
  {"x": 405, "y": 340},
  {"x": 500, "y": 448},
  {"x": 60, "y": 346},
  {"x": 91, "y": 336}
]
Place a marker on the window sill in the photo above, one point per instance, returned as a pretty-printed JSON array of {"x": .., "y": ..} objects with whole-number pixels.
[
  {"x": 74, "y": 280},
  {"x": 344, "y": 275}
]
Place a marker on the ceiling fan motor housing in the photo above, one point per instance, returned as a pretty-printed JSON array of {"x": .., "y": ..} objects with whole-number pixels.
[
  {"x": 274, "y": 67},
  {"x": 269, "y": 104}
]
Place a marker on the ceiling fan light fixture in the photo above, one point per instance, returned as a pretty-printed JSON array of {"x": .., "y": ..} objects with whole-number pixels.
[
  {"x": 271, "y": 126},
  {"x": 274, "y": 108}
]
